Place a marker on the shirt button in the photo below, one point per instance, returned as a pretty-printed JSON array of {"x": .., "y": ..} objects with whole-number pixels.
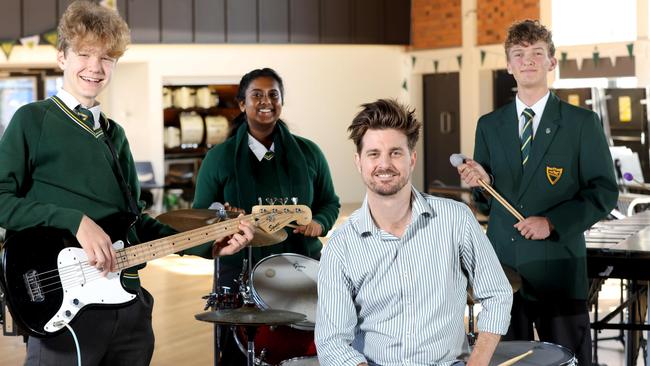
[
  {"x": 512, "y": 239},
  {"x": 521, "y": 206}
]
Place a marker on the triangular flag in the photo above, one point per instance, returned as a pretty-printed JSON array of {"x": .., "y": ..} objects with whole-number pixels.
[
  {"x": 404, "y": 85},
  {"x": 596, "y": 57},
  {"x": 459, "y": 58},
  {"x": 51, "y": 37},
  {"x": 563, "y": 57},
  {"x": 482, "y": 57},
  {"x": 435, "y": 66},
  {"x": 413, "y": 59},
  {"x": 7, "y": 47},
  {"x": 630, "y": 49},
  {"x": 30, "y": 42},
  {"x": 612, "y": 58},
  {"x": 579, "y": 59},
  {"x": 111, "y": 4}
]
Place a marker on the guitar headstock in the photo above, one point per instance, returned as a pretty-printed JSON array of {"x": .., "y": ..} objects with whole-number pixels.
[{"x": 271, "y": 218}]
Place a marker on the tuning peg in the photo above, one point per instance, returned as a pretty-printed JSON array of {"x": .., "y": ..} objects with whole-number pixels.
[
  {"x": 259, "y": 201},
  {"x": 270, "y": 200},
  {"x": 283, "y": 200}
]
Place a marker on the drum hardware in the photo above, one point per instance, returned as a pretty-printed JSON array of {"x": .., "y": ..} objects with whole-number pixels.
[{"x": 515, "y": 281}]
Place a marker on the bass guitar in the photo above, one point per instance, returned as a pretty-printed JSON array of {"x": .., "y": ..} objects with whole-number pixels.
[{"x": 47, "y": 279}]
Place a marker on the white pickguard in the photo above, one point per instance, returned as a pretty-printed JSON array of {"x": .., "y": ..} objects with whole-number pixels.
[{"x": 84, "y": 285}]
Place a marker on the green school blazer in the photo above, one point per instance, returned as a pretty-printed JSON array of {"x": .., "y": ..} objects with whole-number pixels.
[{"x": 569, "y": 179}]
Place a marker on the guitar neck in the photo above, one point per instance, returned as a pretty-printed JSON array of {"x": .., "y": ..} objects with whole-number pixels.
[{"x": 142, "y": 253}]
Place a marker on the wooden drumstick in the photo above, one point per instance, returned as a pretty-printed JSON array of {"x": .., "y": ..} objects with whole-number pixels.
[
  {"x": 458, "y": 159},
  {"x": 513, "y": 360}
]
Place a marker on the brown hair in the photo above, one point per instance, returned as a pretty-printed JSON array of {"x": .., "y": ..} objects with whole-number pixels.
[
  {"x": 382, "y": 115},
  {"x": 527, "y": 32},
  {"x": 88, "y": 23}
]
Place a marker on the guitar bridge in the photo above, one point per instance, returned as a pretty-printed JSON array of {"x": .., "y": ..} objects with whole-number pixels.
[{"x": 33, "y": 286}]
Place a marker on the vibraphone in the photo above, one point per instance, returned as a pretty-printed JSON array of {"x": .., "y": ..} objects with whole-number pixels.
[{"x": 621, "y": 249}]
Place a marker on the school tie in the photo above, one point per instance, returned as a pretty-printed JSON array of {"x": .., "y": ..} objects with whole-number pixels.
[
  {"x": 269, "y": 155},
  {"x": 87, "y": 116},
  {"x": 526, "y": 135}
]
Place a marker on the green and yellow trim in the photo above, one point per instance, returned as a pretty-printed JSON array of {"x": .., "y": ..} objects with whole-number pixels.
[{"x": 75, "y": 118}]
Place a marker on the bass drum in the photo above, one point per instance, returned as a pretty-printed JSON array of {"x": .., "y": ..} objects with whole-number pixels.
[
  {"x": 544, "y": 354},
  {"x": 284, "y": 282}
]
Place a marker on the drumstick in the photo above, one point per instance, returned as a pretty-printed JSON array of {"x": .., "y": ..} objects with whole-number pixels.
[
  {"x": 513, "y": 360},
  {"x": 458, "y": 159}
]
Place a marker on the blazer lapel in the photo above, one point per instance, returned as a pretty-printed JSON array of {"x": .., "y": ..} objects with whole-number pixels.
[
  {"x": 509, "y": 135},
  {"x": 545, "y": 133}
]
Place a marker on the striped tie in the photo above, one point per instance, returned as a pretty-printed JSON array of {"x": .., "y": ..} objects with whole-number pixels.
[
  {"x": 526, "y": 135},
  {"x": 87, "y": 116}
]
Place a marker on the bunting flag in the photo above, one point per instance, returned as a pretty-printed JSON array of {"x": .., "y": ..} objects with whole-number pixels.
[
  {"x": 563, "y": 58},
  {"x": 435, "y": 65},
  {"x": 459, "y": 58},
  {"x": 596, "y": 57},
  {"x": 405, "y": 85},
  {"x": 111, "y": 4},
  {"x": 413, "y": 60},
  {"x": 30, "y": 42},
  {"x": 630, "y": 49},
  {"x": 51, "y": 37},
  {"x": 7, "y": 47},
  {"x": 483, "y": 53}
]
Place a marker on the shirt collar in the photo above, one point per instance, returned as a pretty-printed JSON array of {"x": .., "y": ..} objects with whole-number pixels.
[
  {"x": 72, "y": 103},
  {"x": 419, "y": 207},
  {"x": 258, "y": 148},
  {"x": 538, "y": 107}
]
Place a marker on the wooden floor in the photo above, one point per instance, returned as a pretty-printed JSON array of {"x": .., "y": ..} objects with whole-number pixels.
[{"x": 177, "y": 284}]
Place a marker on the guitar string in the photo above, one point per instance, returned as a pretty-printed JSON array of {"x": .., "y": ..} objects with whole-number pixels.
[
  {"x": 95, "y": 273},
  {"x": 261, "y": 215}
]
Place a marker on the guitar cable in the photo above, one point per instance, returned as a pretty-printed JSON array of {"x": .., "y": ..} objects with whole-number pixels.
[{"x": 76, "y": 341}]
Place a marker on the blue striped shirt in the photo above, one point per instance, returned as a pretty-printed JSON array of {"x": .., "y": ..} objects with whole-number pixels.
[{"x": 394, "y": 301}]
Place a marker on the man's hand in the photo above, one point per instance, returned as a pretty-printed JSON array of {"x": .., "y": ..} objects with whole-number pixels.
[
  {"x": 471, "y": 171},
  {"x": 97, "y": 245},
  {"x": 311, "y": 229},
  {"x": 234, "y": 243},
  {"x": 535, "y": 228}
]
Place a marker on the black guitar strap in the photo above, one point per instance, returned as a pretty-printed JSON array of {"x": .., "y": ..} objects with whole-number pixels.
[{"x": 117, "y": 170}]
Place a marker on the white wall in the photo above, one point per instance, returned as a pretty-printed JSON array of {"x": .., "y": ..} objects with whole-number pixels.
[{"x": 324, "y": 85}]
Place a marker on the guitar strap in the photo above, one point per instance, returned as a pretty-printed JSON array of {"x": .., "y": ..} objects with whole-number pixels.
[{"x": 117, "y": 170}]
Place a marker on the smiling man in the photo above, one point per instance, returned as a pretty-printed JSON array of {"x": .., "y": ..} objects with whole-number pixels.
[
  {"x": 393, "y": 279},
  {"x": 57, "y": 170},
  {"x": 550, "y": 160}
]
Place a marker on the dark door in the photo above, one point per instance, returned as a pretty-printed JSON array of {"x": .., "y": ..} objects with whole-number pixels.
[
  {"x": 441, "y": 129},
  {"x": 580, "y": 97},
  {"x": 628, "y": 122},
  {"x": 504, "y": 88}
]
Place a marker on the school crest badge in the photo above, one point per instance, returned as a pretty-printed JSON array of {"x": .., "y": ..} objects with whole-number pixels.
[{"x": 553, "y": 174}]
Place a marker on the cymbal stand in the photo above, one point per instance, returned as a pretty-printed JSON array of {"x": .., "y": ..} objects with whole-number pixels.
[{"x": 471, "y": 335}]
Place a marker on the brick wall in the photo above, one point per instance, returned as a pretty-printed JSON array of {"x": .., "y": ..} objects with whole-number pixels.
[
  {"x": 495, "y": 16},
  {"x": 436, "y": 23}
]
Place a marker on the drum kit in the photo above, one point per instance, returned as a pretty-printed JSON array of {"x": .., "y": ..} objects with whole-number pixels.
[{"x": 272, "y": 316}]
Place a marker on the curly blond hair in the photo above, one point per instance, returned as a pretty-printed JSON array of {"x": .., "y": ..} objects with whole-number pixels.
[{"x": 87, "y": 23}]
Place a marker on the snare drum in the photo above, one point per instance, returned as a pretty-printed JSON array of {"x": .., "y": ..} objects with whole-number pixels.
[
  {"x": 301, "y": 361},
  {"x": 544, "y": 354},
  {"x": 285, "y": 282}
]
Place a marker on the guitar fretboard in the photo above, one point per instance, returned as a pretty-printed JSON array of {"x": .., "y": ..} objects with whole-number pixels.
[{"x": 142, "y": 253}]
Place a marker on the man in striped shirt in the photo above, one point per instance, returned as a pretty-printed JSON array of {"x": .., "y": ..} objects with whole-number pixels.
[{"x": 393, "y": 279}]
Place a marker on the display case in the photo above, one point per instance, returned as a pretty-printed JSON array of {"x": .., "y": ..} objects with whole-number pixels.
[{"x": 196, "y": 117}]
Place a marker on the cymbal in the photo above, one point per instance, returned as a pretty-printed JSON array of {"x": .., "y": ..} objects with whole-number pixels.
[
  {"x": 188, "y": 219},
  {"x": 513, "y": 278},
  {"x": 248, "y": 315}
]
